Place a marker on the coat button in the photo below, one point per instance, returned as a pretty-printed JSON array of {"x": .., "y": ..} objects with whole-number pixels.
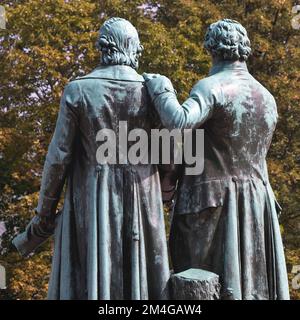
[
  {"x": 234, "y": 179},
  {"x": 98, "y": 167}
]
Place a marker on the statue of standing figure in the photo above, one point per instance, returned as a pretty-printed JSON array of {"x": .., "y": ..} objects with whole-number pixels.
[
  {"x": 225, "y": 219},
  {"x": 110, "y": 240}
]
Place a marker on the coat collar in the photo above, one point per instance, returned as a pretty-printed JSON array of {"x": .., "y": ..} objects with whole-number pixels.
[
  {"x": 114, "y": 72},
  {"x": 228, "y": 65}
]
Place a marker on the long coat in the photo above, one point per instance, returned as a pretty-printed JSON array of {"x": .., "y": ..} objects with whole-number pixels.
[
  {"x": 226, "y": 217},
  {"x": 110, "y": 240}
]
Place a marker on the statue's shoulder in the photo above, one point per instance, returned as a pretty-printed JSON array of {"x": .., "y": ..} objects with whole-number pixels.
[
  {"x": 207, "y": 84},
  {"x": 84, "y": 78},
  {"x": 86, "y": 81},
  {"x": 263, "y": 90},
  {"x": 114, "y": 73}
]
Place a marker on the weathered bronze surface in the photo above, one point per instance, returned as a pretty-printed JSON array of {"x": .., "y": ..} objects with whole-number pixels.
[
  {"x": 110, "y": 240},
  {"x": 226, "y": 218}
]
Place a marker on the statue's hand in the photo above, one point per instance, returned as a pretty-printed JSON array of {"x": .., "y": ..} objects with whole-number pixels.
[
  {"x": 150, "y": 76},
  {"x": 157, "y": 84},
  {"x": 47, "y": 224},
  {"x": 37, "y": 232}
]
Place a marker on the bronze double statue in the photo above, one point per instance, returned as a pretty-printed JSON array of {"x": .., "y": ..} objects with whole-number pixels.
[{"x": 110, "y": 240}]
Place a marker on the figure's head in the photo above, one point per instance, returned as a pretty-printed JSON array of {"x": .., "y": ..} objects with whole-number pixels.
[
  {"x": 119, "y": 43},
  {"x": 227, "y": 40}
]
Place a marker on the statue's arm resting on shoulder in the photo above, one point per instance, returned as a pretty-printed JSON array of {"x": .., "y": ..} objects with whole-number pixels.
[{"x": 192, "y": 113}]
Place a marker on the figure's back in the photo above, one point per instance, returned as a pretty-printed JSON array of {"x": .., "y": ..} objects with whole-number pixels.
[
  {"x": 237, "y": 136},
  {"x": 110, "y": 240},
  {"x": 242, "y": 124},
  {"x": 110, "y": 205},
  {"x": 110, "y": 96}
]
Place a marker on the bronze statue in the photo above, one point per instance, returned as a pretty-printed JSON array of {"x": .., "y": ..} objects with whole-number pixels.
[
  {"x": 110, "y": 240},
  {"x": 225, "y": 219}
]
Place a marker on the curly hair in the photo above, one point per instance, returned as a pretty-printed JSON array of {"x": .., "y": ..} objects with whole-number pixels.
[
  {"x": 119, "y": 43},
  {"x": 228, "y": 40}
]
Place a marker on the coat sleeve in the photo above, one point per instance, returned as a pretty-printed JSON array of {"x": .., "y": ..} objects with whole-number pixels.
[
  {"x": 60, "y": 151},
  {"x": 58, "y": 158},
  {"x": 197, "y": 109}
]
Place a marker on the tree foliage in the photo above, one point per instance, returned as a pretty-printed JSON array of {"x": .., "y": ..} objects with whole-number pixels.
[{"x": 49, "y": 42}]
